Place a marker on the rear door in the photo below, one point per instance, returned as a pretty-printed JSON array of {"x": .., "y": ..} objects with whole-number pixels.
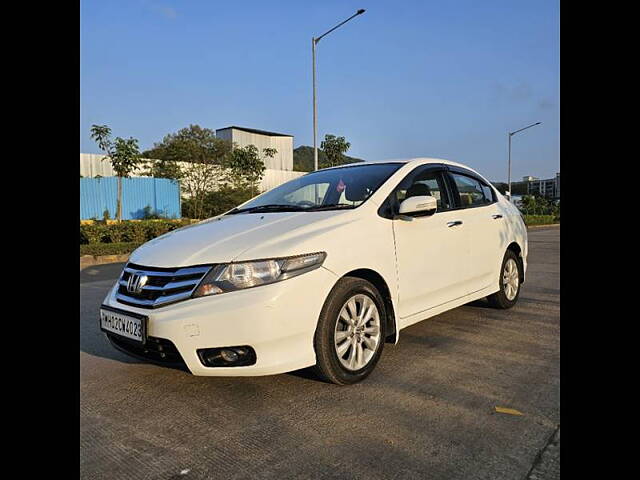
[
  {"x": 432, "y": 252},
  {"x": 476, "y": 203}
]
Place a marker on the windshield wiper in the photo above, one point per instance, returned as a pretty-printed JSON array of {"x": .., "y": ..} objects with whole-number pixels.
[
  {"x": 275, "y": 207},
  {"x": 331, "y": 206}
]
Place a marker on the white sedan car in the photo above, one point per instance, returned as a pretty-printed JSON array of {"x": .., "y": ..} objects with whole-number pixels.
[{"x": 321, "y": 271}]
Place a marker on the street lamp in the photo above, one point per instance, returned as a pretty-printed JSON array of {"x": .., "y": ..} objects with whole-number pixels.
[
  {"x": 314, "y": 41},
  {"x": 511, "y": 134}
]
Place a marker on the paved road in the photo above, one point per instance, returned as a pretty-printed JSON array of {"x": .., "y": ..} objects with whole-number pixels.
[{"x": 427, "y": 411}]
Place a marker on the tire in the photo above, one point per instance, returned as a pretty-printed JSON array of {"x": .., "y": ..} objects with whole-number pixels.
[
  {"x": 358, "y": 359},
  {"x": 509, "y": 280}
]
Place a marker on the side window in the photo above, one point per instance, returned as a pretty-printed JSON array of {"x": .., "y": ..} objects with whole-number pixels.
[
  {"x": 488, "y": 193},
  {"x": 472, "y": 192},
  {"x": 424, "y": 182}
]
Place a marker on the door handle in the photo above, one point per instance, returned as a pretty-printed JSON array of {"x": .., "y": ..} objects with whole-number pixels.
[
  {"x": 453, "y": 224},
  {"x": 495, "y": 217}
]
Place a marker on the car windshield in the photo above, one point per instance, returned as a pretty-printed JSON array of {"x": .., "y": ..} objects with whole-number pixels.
[{"x": 330, "y": 189}]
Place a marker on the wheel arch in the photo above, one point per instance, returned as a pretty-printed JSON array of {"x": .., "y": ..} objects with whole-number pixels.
[
  {"x": 515, "y": 248},
  {"x": 381, "y": 285}
]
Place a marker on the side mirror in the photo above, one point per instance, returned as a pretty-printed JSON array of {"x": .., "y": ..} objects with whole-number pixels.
[{"x": 420, "y": 205}]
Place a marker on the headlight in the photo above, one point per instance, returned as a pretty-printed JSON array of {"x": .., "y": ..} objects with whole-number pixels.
[{"x": 236, "y": 276}]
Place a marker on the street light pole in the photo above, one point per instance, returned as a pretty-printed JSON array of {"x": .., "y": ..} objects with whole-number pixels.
[
  {"x": 511, "y": 134},
  {"x": 315, "y": 107},
  {"x": 509, "y": 172},
  {"x": 314, "y": 41}
]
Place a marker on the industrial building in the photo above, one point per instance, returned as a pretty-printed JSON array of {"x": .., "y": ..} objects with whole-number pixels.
[{"x": 283, "y": 143}]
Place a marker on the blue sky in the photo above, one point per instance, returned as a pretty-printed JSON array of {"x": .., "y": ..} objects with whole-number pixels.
[{"x": 446, "y": 79}]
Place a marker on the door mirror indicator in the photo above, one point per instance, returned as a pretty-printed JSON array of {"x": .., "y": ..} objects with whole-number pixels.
[{"x": 419, "y": 205}]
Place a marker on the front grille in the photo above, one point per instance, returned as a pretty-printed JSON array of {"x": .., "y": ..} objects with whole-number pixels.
[
  {"x": 162, "y": 286},
  {"x": 158, "y": 350}
]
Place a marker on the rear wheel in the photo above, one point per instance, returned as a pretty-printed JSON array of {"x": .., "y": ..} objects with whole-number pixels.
[
  {"x": 510, "y": 275},
  {"x": 350, "y": 334}
]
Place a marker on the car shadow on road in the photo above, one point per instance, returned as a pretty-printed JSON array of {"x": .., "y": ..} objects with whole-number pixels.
[
  {"x": 94, "y": 342},
  {"x": 482, "y": 303},
  {"x": 307, "y": 374},
  {"x": 96, "y": 273},
  {"x": 95, "y": 282}
]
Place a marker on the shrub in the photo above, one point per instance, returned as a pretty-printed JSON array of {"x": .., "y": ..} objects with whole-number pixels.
[
  {"x": 138, "y": 231},
  {"x": 108, "y": 248},
  {"x": 134, "y": 232},
  {"x": 116, "y": 232},
  {"x": 93, "y": 233},
  {"x": 155, "y": 229}
]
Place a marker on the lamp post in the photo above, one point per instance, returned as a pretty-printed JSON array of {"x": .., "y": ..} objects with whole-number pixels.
[
  {"x": 314, "y": 41},
  {"x": 511, "y": 134}
]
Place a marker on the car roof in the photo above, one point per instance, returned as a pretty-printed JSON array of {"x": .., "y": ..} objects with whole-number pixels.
[
  {"x": 410, "y": 161},
  {"x": 416, "y": 161}
]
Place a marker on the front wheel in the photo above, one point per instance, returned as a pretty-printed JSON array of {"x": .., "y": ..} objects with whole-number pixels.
[
  {"x": 350, "y": 334},
  {"x": 510, "y": 276}
]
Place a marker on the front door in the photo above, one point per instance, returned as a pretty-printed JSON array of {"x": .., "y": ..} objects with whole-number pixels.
[{"x": 432, "y": 252}]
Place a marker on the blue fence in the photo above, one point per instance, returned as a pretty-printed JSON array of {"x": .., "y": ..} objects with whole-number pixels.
[{"x": 100, "y": 194}]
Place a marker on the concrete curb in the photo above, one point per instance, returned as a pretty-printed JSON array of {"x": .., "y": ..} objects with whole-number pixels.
[{"x": 89, "y": 260}]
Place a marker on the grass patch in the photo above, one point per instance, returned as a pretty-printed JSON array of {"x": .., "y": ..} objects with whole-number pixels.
[{"x": 119, "y": 248}]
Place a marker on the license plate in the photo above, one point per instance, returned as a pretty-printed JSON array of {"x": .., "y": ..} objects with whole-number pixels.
[{"x": 125, "y": 324}]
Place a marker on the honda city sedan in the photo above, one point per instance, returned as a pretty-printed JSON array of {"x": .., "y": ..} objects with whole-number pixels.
[{"x": 319, "y": 272}]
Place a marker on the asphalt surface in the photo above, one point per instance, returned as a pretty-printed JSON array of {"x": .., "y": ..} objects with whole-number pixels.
[{"x": 427, "y": 411}]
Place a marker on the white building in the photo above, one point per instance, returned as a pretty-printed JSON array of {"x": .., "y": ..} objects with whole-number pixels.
[
  {"x": 548, "y": 188},
  {"x": 92, "y": 165},
  {"x": 279, "y": 169},
  {"x": 283, "y": 143}
]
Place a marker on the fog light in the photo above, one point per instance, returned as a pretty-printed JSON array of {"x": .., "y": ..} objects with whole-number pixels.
[{"x": 227, "y": 356}]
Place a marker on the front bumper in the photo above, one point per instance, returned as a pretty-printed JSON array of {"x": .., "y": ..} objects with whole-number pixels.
[{"x": 277, "y": 320}]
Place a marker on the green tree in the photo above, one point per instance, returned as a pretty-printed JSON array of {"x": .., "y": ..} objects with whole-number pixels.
[
  {"x": 164, "y": 169},
  {"x": 216, "y": 202},
  {"x": 334, "y": 148},
  {"x": 244, "y": 168},
  {"x": 191, "y": 144},
  {"x": 202, "y": 154},
  {"x": 123, "y": 154},
  {"x": 269, "y": 152},
  {"x": 198, "y": 180}
]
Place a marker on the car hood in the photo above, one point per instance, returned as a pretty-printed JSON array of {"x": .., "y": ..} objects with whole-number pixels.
[{"x": 228, "y": 237}]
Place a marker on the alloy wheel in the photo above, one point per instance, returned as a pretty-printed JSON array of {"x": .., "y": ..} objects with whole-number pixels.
[
  {"x": 357, "y": 332},
  {"x": 510, "y": 279}
]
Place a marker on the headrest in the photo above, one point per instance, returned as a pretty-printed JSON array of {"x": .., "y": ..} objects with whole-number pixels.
[
  {"x": 355, "y": 192},
  {"x": 418, "y": 189}
]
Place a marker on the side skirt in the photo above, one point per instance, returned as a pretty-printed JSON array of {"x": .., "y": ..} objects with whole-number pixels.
[{"x": 432, "y": 312}]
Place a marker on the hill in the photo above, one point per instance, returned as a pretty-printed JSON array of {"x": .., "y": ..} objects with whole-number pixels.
[{"x": 303, "y": 159}]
